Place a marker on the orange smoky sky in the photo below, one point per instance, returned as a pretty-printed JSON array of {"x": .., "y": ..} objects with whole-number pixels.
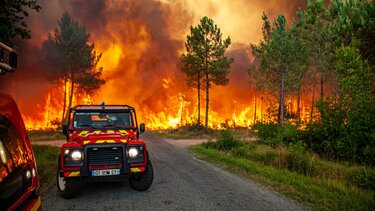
[{"x": 141, "y": 42}]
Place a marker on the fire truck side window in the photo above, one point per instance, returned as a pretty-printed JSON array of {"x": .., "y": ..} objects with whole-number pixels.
[
  {"x": 16, "y": 148},
  {"x": 12, "y": 150},
  {"x": 5, "y": 162}
]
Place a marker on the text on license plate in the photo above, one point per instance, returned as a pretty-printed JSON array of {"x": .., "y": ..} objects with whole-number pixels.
[{"x": 106, "y": 172}]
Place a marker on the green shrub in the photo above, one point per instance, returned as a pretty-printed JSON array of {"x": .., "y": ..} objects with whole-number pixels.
[
  {"x": 299, "y": 159},
  {"x": 244, "y": 150},
  {"x": 226, "y": 141},
  {"x": 289, "y": 133},
  {"x": 263, "y": 154},
  {"x": 276, "y": 134},
  {"x": 363, "y": 177},
  {"x": 210, "y": 145},
  {"x": 240, "y": 151},
  {"x": 267, "y": 133}
]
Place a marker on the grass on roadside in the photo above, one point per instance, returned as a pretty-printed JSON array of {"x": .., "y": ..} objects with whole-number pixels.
[
  {"x": 43, "y": 135},
  {"x": 46, "y": 159},
  {"x": 294, "y": 171},
  {"x": 319, "y": 193},
  {"x": 187, "y": 132}
]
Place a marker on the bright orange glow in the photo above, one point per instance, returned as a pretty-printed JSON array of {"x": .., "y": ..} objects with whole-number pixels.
[
  {"x": 50, "y": 117},
  {"x": 110, "y": 57},
  {"x": 141, "y": 43}
]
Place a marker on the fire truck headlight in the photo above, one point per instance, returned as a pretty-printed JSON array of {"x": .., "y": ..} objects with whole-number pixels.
[
  {"x": 133, "y": 152},
  {"x": 76, "y": 155}
]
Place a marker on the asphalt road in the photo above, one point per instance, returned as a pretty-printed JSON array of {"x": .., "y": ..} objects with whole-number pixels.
[{"x": 181, "y": 182}]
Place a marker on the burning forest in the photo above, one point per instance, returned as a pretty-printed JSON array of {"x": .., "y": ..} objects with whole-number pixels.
[{"x": 140, "y": 42}]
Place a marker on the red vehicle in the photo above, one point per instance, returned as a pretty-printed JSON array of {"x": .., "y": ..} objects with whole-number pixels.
[
  {"x": 19, "y": 185},
  {"x": 103, "y": 144}
]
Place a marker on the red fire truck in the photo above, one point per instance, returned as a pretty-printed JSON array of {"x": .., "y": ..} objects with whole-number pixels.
[
  {"x": 19, "y": 185},
  {"x": 103, "y": 144}
]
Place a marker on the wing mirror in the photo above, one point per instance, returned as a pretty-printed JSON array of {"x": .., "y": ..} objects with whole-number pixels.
[
  {"x": 65, "y": 130},
  {"x": 142, "y": 127}
]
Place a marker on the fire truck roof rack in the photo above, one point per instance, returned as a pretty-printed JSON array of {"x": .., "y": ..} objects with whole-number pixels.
[
  {"x": 101, "y": 106},
  {"x": 12, "y": 63}
]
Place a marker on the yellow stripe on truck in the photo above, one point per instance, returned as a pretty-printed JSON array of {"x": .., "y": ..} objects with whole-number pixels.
[
  {"x": 123, "y": 131},
  {"x": 83, "y": 132},
  {"x": 37, "y": 205},
  {"x": 74, "y": 174},
  {"x": 71, "y": 174},
  {"x": 136, "y": 170}
]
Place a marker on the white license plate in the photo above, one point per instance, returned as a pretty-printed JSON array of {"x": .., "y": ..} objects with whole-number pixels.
[{"x": 107, "y": 172}]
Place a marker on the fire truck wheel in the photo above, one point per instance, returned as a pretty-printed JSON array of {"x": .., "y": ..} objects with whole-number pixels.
[
  {"x": 142, "y": 181},
  {"x": 68, "y": 187}
]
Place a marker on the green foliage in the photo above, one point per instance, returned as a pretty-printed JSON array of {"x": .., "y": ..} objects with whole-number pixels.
[
  {"x": 267, "y": 133},
  {"x": 42, "y": 135},
  {"x": 364, "y": 178},
  {"x": 226, "y": 141},
  {"x": 346, "y": 128},
  {"x": 357, "y": 94},
  {"x": 281, "y": 56},
  {"x": 46, "y": 159},
  {"x": 354, "y": 19},
  {"x": 190, "y": 131},
  {"x": 241, "y": 151},
  {"x": 12, "y": 19},
  {"x": 204, "y": 61},
  {"x": 327, "y": 191},
  {"x": 275, "y": 134},
  {"x": 326, "y": 136},
  {"x": 336, "y": 45},
  {"x": 299, "y": 158},
  {"x": 263, "y": 154}
]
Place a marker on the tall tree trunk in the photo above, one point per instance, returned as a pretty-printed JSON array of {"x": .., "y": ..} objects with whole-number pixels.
[
  {"x": 261, "y": 109},
  {"x": 299, "y": 106},
  {"x": 312, "y": 103},
  {"x": 281, "y": 103},
  {"x": 70, "y": 95},
  {"x": 207, "y": 83},
  {"x": 207, "y": 95},
  {"x": 64, "y": 103},
  {"x": 199, "y": 98},
  {"x": 255, "y": 108},
  {"x": 321, "y": 86}
]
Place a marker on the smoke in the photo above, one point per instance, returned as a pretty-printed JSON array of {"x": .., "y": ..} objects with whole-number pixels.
[{"x": 141, "y": 42}]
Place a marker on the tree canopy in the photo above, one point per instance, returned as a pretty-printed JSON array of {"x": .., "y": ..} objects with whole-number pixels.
[
  {"x": 72, "y": 60},
  {"x": 329, "y": 48},
  {"x": 12, "y": 19},
  {"x": 281, "y": 58},
  {"x": 205, "y": 62}
]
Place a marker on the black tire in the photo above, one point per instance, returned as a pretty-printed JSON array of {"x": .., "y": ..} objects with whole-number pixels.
[
  {"x": 142, "y": 181},
  {"x": 67, "y": 187}
]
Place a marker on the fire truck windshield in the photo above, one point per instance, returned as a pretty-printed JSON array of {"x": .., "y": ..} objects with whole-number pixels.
[{"x": 102, "y": 119}]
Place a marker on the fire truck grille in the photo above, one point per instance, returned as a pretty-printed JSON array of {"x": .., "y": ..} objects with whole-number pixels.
[{"x": 98, "y": 156}]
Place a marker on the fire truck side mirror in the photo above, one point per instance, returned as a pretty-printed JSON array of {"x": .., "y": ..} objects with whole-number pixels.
[
  {"x": 142, "y": 128},
  {"x": 65, "y": 129}
]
